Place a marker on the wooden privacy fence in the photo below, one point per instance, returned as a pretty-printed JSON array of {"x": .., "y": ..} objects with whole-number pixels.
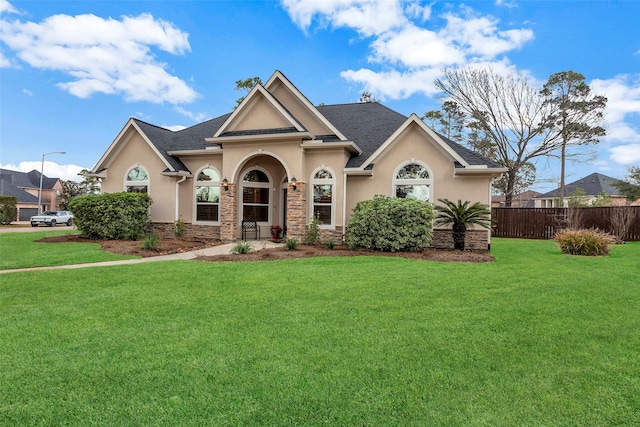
[{"x": 543, "y": 223}]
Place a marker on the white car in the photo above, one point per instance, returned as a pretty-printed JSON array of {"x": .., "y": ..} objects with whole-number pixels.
[{"x": 52, "y": 218}]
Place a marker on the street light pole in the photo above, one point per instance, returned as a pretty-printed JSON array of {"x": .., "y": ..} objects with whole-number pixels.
[{"x": 41, "y": 172}]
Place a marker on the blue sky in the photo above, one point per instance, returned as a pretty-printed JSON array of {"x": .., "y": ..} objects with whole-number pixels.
[{"x": 73, "y": 72}]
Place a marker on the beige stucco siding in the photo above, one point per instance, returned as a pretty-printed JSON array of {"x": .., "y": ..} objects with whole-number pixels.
[
  {"x": 136, "y": 152},
  {"x": 259, "y": 114},
  {"x": 299, "y": 110}
]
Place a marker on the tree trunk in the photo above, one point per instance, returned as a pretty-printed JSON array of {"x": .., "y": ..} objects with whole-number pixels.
[
  {"x": 459, "y": 234},
  {"x": 562, "y": 161}
]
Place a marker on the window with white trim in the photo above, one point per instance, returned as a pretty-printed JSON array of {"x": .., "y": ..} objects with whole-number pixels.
[
  {"x": 137, "y": 180},
  {"x": 256, "y": 195},
  {"x": 412, "y": 181},
  {"x": 323, "y": 183},
  {"x": 207, "y": 195}
]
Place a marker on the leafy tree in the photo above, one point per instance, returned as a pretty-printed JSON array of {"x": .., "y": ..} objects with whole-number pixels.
[
  {"x": 631, "y": 188},
  {"x": 577, "y": 199},
  {"x": 367, "y": 97},
  {"x": 602, "y": 199},
  {"x": 246, "y": 85},
  {"x": 71, "y": 189},
  {"x": 461, "y": 216},
  {"x": 575, "y": 114},
  {"x": 450, "y": 122},
  {"x": 525, "y": 177}
]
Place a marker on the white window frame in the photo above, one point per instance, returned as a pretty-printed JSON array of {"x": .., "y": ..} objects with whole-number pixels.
[
  {"x": 428, "y": 182},
  {"x": 255, "y": 185},
  {"x": 197, "y": 184},
  {"x": 146, "y": 182},
  {"x": 323, "y": 181}
]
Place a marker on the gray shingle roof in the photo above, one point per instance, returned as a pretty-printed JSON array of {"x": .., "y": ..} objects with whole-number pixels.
[
  {"x": 27, "y": 179},
  {"x": 592, "y": 185},
  {"x": 9, "y": 189},
  {"x": 367, "y": 124}
]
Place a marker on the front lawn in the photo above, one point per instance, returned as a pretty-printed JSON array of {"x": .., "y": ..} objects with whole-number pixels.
[
  {"x": 534, "y": 338},
  {"x": 21, "y": 250}
]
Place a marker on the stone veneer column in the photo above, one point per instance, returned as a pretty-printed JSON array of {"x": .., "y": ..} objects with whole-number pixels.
[
  {"x": 297, "y": 211},
  {"x": 228, "y": 214}
]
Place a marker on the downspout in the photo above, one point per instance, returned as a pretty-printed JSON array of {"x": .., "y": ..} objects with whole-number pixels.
[
  {"x": 177, "y": 216},
  {"x": 344, "y": 207}
]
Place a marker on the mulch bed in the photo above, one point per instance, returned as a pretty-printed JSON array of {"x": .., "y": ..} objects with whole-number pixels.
[{"x": 183, "y": 244}]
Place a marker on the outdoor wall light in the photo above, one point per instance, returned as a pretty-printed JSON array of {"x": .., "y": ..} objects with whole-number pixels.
[
  {"x": 225, "y": 184},
  {"x": 294, "y": 183}
]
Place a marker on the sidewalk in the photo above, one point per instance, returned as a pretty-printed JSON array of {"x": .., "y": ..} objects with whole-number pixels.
[{"x": 212, "y": 251}]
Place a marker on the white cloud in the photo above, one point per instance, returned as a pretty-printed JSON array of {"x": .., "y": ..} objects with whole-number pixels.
[
  {"x": 196, "y": 117},
  {"x": 410, "y": 46},
  {"x": 6, "y": 7},
  {"x": 103, "y": 55},
  {"x": 626, "y": 154},
  {"x": 51, "y": 169},
  {"x": 623, "y": 106},
  {"x": 27, "y": 92}
]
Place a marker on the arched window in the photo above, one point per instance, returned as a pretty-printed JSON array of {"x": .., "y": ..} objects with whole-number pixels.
[
  {"x": 207, "y": 194},
  {"x": 255, "y": 195},
  {"x": 412, "y": 181},
  {"x": 323, "y": 183},
  {"x": 137, "y": 180}
]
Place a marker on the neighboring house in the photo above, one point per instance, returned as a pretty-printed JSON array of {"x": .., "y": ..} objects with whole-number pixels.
[
  {"x": 522, "y": 200},
  {"x": 25, "y": 186},
  {"x": 281, "y": 160},
  {"x": 592, "y": 185}
]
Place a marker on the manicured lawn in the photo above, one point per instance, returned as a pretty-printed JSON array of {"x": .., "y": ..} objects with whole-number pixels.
[
  {"x": 20, "y": 250},
  {"x": 535, "y": 338}
]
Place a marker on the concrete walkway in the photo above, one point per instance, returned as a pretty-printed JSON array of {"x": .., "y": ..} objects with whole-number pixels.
[{"x": 224, "y": 249}]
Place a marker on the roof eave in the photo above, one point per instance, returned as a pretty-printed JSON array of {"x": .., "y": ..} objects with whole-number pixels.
[
  {"x": 320, "y": 145},
  {"x": 273, "y": 136}
]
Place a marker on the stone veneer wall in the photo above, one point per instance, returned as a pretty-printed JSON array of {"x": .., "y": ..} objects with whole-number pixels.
[
  {"x": 474, "y": 239},
  {"x": 165, "y": 231},
  {"x": 228, "y": 213},
  {"x": 335, "y": 235},
  {"x": 297, "y": 211}
]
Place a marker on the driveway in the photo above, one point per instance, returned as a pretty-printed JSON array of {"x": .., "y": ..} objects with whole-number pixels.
[{"x": 25, "y": 226}]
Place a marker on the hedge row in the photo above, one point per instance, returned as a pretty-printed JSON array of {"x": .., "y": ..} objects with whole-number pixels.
[{"x": 8, "y": 209}]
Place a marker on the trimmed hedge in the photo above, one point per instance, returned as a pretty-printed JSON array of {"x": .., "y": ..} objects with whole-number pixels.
[
  {"x": 390, "y": 225},
  {"x": 112, "y": 216},
  {"x": 8, "y": 209}
]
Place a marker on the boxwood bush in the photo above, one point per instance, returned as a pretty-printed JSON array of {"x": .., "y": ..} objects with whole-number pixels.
[
  {"x": 8, "y": 209},
  {"x": 390, "y": 225},
  {"x": 112, "y": 216}
]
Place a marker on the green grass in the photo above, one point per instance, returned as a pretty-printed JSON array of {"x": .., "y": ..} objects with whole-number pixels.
[
  {"x": 21, "y": 250},
  {"x": 535, "y": 338}
]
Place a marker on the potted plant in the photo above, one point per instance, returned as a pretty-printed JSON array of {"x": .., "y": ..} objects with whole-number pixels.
[{"x": 276, "y": 232}]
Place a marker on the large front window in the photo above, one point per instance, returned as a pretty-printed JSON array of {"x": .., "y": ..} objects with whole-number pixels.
[
  {"x": 208, "y": 195},
  {"x": 412, "y": 181},
  {"x": 255, "y": 196},
  {"x": 137, "y": 180},
  {"x": 323, "y": 183}
]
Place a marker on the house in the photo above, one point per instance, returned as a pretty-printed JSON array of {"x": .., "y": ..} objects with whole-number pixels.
[
  {"x": 25, "y": 187},
  {"x": 592, "y": 185},
  {"x": 521, "y": 200},
  {"x": 280, "y": 160}
]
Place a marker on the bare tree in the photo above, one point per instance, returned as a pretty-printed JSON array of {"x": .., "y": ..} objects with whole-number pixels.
[{"x": 508, "y": 111}]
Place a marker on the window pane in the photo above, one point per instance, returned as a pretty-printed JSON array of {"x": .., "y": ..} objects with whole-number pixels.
[
  {"x": 207, "y": 213},
  {"x": 413, "y": 171},
  {"x": 208, "y": 194},
  {"x": 259, "y": 213},
  {"x": 208, "y": 175},
  {"x": 323, "y": 213},
  {"x": 419, "y": 192},
  {"x": 136, "y": 188},
  {"x": 255, "y": 195},
  {"x": 137, "y": 174},
  {"x": 322, "y": 193},
  {"x": 323, "y": 174},
  {"x": 255, "y": 176}
]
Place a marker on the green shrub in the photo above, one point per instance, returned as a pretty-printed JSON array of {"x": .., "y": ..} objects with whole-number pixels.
[
  {"x": 329, "y": 244},
  {"x": 292, "y": 244},
  {"x": 150, "y": 242},
  {"x": 8, "y": 209},
  {"x": 390, "y": 224},
  {"x": 112, "y": 216},
  {"x": 312, "y": 235},
  {"x": 178, "y": 228},
  {"x": 584, "y": 242},
  {"x": 241, "y": 248}
]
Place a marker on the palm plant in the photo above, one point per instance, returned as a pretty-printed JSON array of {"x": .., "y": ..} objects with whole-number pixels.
[{"x": 461, "y": 215}]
